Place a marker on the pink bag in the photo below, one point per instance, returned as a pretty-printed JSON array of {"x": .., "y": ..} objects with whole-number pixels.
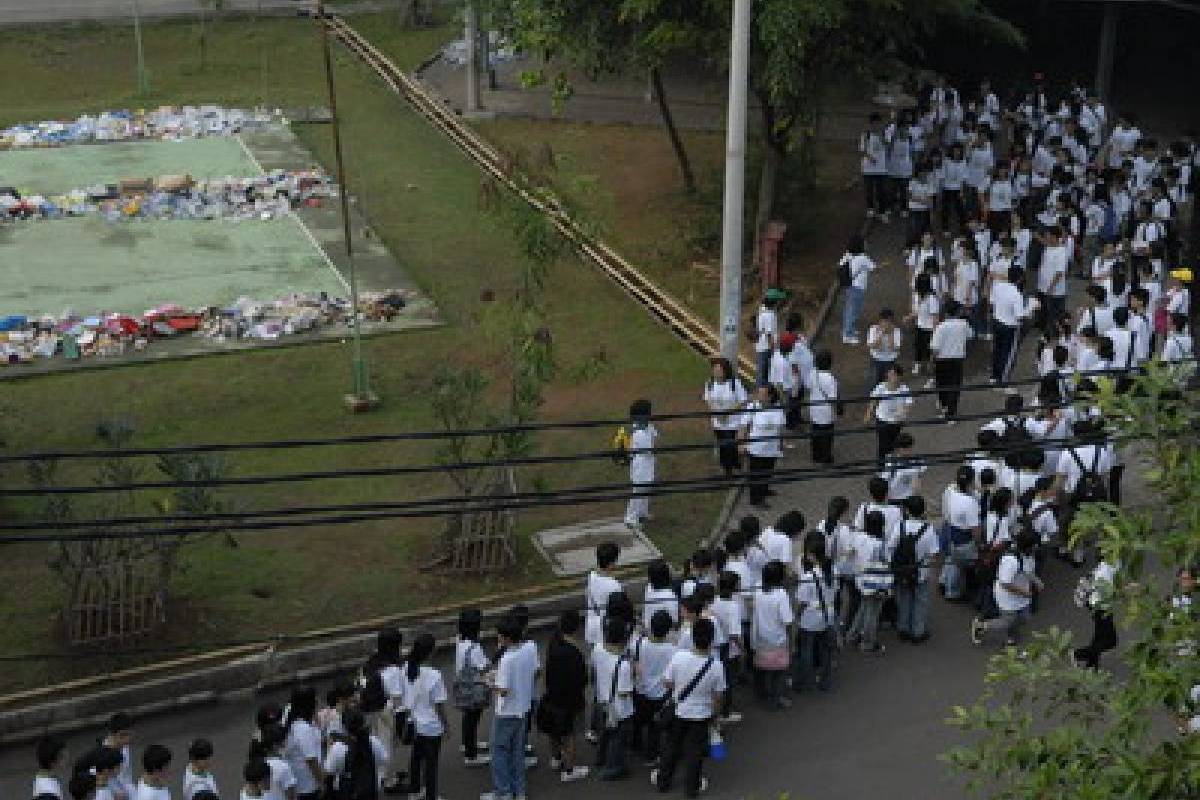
[
  {"x": 1162, "y": 321},
  {"x": 772, "y": 659}
]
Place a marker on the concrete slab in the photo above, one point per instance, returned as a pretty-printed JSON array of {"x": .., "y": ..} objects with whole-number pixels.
[{"x": 572, "y": 550}]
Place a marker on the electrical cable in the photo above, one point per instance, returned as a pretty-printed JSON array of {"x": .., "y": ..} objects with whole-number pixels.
[{"x": 475, "y": 432}]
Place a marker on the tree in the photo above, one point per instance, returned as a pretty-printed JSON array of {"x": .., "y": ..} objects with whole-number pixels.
[
  {"x": 206, "y": 6},
  {"x": 1045, "y": 730},
  {"x": 609, "y": 37}
]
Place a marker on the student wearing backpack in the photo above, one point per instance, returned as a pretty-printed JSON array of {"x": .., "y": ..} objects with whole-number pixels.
[
  {"x": 612, "y": 673},
  {"x": 854, "y": 270},
  {"x": 960, "y": 512},
  {"x": 381, "y": 699},
  {"x": 600, "y": 585},
  {"x": 1015, "y": 585},
  {"x": 915, "y": 552},
  {"x": 356, "y": 764},
  {"x": 816, "y": 633},
  {"x": 471, "y": 692},
  {"x": 561, "y": 706},
  {"x": 302, "y": 749},
  {"x": 651, "y": 653},
  {"x": 725, "y": 397},
  {"x": 874, "y": 583}
]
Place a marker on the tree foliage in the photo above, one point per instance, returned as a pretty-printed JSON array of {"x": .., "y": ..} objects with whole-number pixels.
[{"x": 1047, "y": 730}]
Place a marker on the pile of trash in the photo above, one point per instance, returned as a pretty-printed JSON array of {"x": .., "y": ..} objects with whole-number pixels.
[
  {"x": 499, "y": 51},
  {"x": 166, "y": 123},
  {"x": 177, "y": 197},
  {"x": 24, "y": 340}
]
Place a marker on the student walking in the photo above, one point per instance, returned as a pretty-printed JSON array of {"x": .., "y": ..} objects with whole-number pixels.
[
  {"x": 563, "y": 703},
  {"x": 612, "y": 671},
  {"x": 470, "y": 665},
  {"x": 765, "y": 422},
  {"x": 856, "y": 268},
  {"x": 823, "y": 395},
  {"x": 816, "y": 626},
  {"x": 512, "y": 683},
  {"x": 949, "y": 347},
  {"x": 725, "y": 397},
  {"x": 1015, "y": 585},
  {"x": 889, "y": 406},
  {"x": 915, "y": 551},
  {"x": 642, "y": 441}
]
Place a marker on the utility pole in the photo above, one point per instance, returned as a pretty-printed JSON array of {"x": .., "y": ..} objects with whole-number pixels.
[
  {"x": 471, "y": 39},
  {"x": 735, "y": 183},
  {"x": 1107, "y": 52},
  {"x": 361, "y": 398},
  {"x": 143, "y": 84}
]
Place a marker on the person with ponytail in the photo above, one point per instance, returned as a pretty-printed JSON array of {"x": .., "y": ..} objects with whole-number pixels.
[
  {"x": 426, "y": 694},
  {"x": 356, "y": 762}
]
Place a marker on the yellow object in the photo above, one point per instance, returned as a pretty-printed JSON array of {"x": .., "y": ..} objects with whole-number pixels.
[
  {"x": 1182, "y": 274},
  {"x": 131, "y": 208},
  {"x": 621, "y": 440}
]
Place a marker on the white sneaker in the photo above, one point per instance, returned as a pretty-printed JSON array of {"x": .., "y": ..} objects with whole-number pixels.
[
  {"x": 591, "y": 737},
  {"x": 479, "y": 760},
  {"x": 654, "y": 778},
  {"x": 576, "y": 774},
  {"x": 850, "y": 340},
  {"x": 555, "y": 762},
  {"x": 479, "y": 747},
  {"x": 732, "y": 718},
  {"x": 495, "y": 796},
  {"x": 531, "y": 762},
  {"x": 885, "y": 217},
  {"x": 929, "y": 384},
  {"x": 703, "y": 784}
]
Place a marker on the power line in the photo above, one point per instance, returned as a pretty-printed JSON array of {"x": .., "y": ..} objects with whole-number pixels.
[
  {"x": 452, "y": 506},
  {"x": 284, "y": 444}
]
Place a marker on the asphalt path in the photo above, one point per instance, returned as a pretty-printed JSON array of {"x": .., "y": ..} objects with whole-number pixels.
[{"x": 878, "y": 733}]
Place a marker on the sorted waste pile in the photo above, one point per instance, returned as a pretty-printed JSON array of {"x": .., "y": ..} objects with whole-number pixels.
[
  {"x": 24, "y": 340},
  {"x": 166, "y": 123}
]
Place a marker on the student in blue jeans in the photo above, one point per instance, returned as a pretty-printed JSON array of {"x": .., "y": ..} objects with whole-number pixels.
[{"x": 511, "y": 686}]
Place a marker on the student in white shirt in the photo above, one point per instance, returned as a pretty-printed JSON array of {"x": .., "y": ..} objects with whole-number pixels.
[
  {"x": 513, "y": 687},
  {"x": 256, "y": 777},
  {"x": 426, "y": 694},
  {"x": 1178, "y": 349},
  {"x": 49, "y": 753},
  {"x": 1014, "y": 587},
  {"x": 599, "y": 587},
  {"x": 766, "y": 323},
  {"x": 1052, "y": 274},
  {"x": 949, "y": 347},
  {"x": 725, "y": 397},
  {"x": 889, "y": 407},
  {"x": 917, "y": 538},
  {"x": 153, "y": 785},
  {"x": 816, "y": 591},
  {"x": 926, "y": 308},
  {"x": 764, "y": 424},
  {"x": 1008, "y": 308},
  {"x": 613, "y": 682},
  {"x": 860, "y": 267},
  {"x": 471, "y": 659},
  {"x": 960, "y": 512},
  {"x": 825, "y": 403},
  {"x": 197, "y": 775},
  {"x": 874, "y": 582},
  {"x": 772, "y": 632},
  {"x": 105, "y": 762},
  {"x": 696, "y": 680},
  {"x": 302, "y": 748},
  {"x": 883, "y": 345},
  {"x": 270, "y": 748},
  {"x": 362, "y": 753},
  {"x": 650, "y": 654},
  {"x": 727, "y": 613},
  {"x": 120, "y": 736},
  {"x": 659, "y": 596},
  {"x": 954, "y": 167},
  {"x": 901, "y": 471},
  {"x": 874, "y": 167},
  {"x": 643, "y": 438}
]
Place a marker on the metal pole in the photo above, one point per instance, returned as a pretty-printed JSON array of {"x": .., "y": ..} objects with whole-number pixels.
[
  {"x": 143, "y": 85},
  {"x": 361, "y": 397},
  {"x": 735, "y": 182},
  {"x": 1108, "y": 48},
  {"x": 471, "y": 35}
]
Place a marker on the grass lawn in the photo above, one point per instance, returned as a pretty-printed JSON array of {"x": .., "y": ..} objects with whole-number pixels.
[{"x": 421, "y": 197}]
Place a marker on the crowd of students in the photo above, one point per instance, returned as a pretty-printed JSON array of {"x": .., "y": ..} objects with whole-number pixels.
[{"x": 1024, "y": 199}]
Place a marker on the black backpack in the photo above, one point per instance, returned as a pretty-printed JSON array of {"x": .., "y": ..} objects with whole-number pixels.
[
  {"x": 373, "y": 697},
  {"x": 845, "y": 277},
  {"x": 1091, "y": 487},
  {"x": 904, "y": 559},
  {"x": 359, "y": 778}
]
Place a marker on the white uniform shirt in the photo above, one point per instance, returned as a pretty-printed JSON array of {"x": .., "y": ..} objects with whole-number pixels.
[
  {"x": 778, "y": 546},
  {"x": 861, "y": 267},
  {"x": 960, "y": 509},
  {"x": 595, "y": 597},
  {"x": 516, "y": 675},
  {"x": 303, "y": 743},
  {"x": 424, "y": 695},
  {"x": 641, "y": 456},
  {"x": 1008, "y": 306},
  {"x": 682, "y": 670},
  {"x": 604, "y": 663},
  {"x": 766, "y": 428},
  {"x": 1014, "y": 570},
  {"x": 823, "y": 392},
  {"x": 650, "y": 666},
  {"x": 767, "y": 325},
  {"x": 966, "y": 282},
  {"x": 1094, "y": 458},
  {"x": 659, "y": 600},
  {"x": 772, "y": 616},
  {"x": 892, "y": 404},
  {"x": 725, "y": 396},
  {"x": 335, "y": 760},
  {"x": 883, "y": 347},
  {"x": 815, "y": 595},
  {"x": 927, "y": 543},
  {"x": 949, "y": 338},
  {"x": 1054, "y": 263}
]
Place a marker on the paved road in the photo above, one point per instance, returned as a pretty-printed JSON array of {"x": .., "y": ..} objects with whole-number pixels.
[{"x": 878, "y": 733}]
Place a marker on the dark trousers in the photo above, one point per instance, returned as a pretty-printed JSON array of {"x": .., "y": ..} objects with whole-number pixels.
[
  {"x": 793, "y": 405},
  {"x": 610, "y": 754},
  {"x": 470, "y": 731},
  {"x": 645, "y": 735},
  {"x": 999, "y": 223},
  {"x": 1004, "y": 338},
  {"x": 423, "y": 766},
  {"x": 822, "y": 443},
  {"x": 885, "y": 438},
  {"x": 876, "y": 189},
  {"x": 952, "y": 202},
  {"x": 1053, "y": 307},
  {"x": 727, "y": 451},
  {"x": 687, "y": 741},
  {"x": 918, "y": 222},
  {"x": 1104, "y": 638},
  {"x": 921, "y": 345},
  {"x": 948, "y": 373},
  {"x": 760, "y": 474}
]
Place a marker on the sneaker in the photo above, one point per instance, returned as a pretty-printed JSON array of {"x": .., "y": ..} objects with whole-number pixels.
[
  {"x": 479, "y": 747},
  {"x": 479, "y": 760},
  {"x": 916, "y": 370},
  {"x": 951, "y": 421},
  {"x": 784, "y": 703},
  {"x": 417, "y": 795},
  {"x": 703, "y": 784},
  {"x": 576, "y": 774},
  {"x": 885, "y": 217},
  {"x": 654, "y": 778},
  {"x": 555, "y": 762},
  {"x": 531, "y": 762},
  {"x": 495, "y": 796},
  {"x": 732, "y": 718},
  {"x": 977, "y": 631},
  {"x": 987, "y": 337},
  {"x": 929, "y": 384},
  {"x": 851, "y": 340}
]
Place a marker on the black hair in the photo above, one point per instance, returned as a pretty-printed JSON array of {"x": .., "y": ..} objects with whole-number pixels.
[
  {"x": 303, "y": 705},
  {"x": 119, "y": 722},
  {"x": 105, "y": 757},
  {"x": 616, "y": 631},
  {"x": 702, "y": 559},
  {"x": 726, "y": 371},
  {"x": 619, "y": 606},
  {"x": 607, "y": 554},
  {"x": 790, "y": 523},
  {"x": 834, "y": 511},
  {"x": 205, "y": 794},
  {"x": 658, "y": 574},
  {"x": 692, "y": 605},
  {"x": 258, "y": 771},
  {"x": 750, "y": 527},
  {"x": 728, "y": 583},
  {"x": 422, "y": 649},
  {"x": 857, "y": 245},
  {"x": 270, "y": 738},
  {"x": 877, "y": 488},
  {"x": 82, "y": 786},
  {"x": 200, "y": 749},
  {"x": 387, "y": 644},
  {"x": 470, "y": 621},
  {"x": 1014, "y": 404},
  {"x": 823, "y": 360},
  {"x": 773, "y": 575},
  {"x": 1002, "y": 500},
  {"x": 734, "y": 542},
  {"x": 706, "y": 593},
  {"x": 569, "y": 623},
  {"x": 703, "y": 632},
  {"x": 964, "y": 478},
  {"x": 155, "y": 758},
  {"x": 48, "y": 750},
  {"x": 1121, "y": 315},
  {"x": 661, "y": 623},
  {"x": 987, "y": 477},
  {"x": 915, "y": 505},
  {"x": 640, "y": 411},
  {"x": 873, "y": 523}
]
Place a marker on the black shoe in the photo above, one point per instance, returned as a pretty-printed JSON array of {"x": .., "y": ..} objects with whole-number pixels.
[
  {"x": 924, "y": 637},
  {"x": 905, "y": 636}
]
